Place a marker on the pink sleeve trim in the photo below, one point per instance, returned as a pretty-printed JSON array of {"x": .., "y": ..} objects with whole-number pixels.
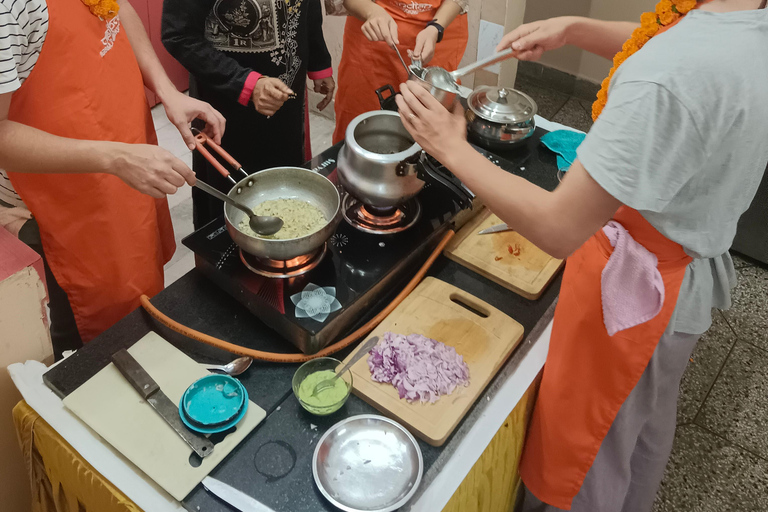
[
  {"x": 250, "y": 83},
  {"x": 319, "y": 75}
]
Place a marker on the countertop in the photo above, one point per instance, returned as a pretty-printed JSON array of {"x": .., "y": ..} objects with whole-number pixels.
[{"x": 273, "y": 463}]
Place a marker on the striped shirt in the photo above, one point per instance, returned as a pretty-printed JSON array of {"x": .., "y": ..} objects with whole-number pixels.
[{"x": 23, "y": 27}]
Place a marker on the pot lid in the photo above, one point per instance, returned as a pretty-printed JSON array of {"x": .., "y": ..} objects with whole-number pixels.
[{"x": 502, "y": 105}]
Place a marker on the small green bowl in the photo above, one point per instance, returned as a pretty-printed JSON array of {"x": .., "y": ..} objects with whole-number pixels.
[{"x": 318, "y": 365}]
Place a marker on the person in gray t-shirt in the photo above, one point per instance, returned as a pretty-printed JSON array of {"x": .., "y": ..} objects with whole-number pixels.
[{"x": 681, "y": 142}]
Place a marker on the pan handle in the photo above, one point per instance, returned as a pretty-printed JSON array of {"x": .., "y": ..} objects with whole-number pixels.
[
  {"x": 202, "y": 140},
  {"x": 428, "y": 172}
]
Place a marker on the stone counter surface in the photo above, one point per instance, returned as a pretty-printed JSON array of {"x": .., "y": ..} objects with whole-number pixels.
[{"x": 273, "y": 463}]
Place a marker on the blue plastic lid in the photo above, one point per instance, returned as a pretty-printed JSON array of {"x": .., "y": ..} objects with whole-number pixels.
[{"x": 213, "y": 400}]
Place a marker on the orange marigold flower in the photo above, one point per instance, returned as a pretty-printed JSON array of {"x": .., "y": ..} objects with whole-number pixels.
[
  {"x": 666, "y": 11},
  {"x": 91, "y": 3},
  {"x": 685, "y": 6}
]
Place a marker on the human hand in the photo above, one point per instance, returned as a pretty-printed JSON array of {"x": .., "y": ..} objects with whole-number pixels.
[
  {"x": 325, "y": 86},
  {"x": 269, "y": 95},
  {"x": 182, "y": 110},
  {"x": 426, "y": 41},
  {"x": 531, "y": 40},
  {"x": 149, "y": 169},
  {"x": 435, "y": 129},
  {"x": 379, "y": 26}
]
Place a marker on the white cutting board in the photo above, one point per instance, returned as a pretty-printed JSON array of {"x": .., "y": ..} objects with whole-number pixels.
[{"x": 109, "y": 405}]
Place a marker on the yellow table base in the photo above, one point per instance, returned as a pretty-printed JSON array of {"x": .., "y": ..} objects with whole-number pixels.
[{"x": 61, "y": 480}]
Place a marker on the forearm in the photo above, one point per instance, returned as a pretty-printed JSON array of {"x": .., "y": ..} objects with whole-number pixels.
[
  {"x": 152, "y": 72},
  {"x": 557, "y": 222},
  {"x": 603, "y": 38},
  {"x": 361, "y": 9},
  {"x": 29, "y": 150},
  {"x": 447, "y": 12},
  {"x": 319, "y": 56}
]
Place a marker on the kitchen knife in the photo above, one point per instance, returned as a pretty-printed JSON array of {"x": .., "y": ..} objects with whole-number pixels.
[
  {"x": 233, "y": 497},
  {"x": 498, "y": 228},
  {"x": 151, "y": 392}
]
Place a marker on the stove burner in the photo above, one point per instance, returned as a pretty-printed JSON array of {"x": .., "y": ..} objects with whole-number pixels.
[
  {"x": 378, "y": 220},
  {"x": 283, "y": 269}
]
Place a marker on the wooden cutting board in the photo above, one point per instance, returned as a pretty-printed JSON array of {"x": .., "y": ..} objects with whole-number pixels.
[
  {"x": 109, "y": 405},
  {"x": 485, "y": 340},
  {"x": 506, "y": 258}
]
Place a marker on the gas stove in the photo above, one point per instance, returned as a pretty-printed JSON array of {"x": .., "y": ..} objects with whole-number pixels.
[{"x": 314, "y": 300}]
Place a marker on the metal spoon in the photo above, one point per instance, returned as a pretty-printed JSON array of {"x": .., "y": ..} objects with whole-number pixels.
[
  {"x": 400, "y": 56},
  {"x": 233, "y": 368},
  {"x": 328, "y": 383},
  {"x": 259, "y": 224}
]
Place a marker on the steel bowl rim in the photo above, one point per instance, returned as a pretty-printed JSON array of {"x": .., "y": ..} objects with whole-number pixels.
[
  {"x": 346, "y": 508},
  {"x": 349, "y": 140},
  {"x": 340, "y": 403},
  {"x": 284, "y": 241}
]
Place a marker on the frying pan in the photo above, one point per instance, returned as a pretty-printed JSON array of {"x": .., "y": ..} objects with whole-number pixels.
[{"x": 275, "y": 183}]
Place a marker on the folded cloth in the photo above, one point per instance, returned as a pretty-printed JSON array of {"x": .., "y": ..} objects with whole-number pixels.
[
  {"x": 632, "y": 289},
  {"x": 563, "y": 143}
]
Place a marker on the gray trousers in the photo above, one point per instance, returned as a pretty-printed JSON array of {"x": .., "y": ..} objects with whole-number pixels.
[{"x": 629, "y": 466}]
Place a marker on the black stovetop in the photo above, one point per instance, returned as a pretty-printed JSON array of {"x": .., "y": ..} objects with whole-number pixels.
[{"x": 359, "y": 269}]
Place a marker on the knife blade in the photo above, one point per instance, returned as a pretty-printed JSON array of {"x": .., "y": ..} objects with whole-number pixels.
[
  {"x": 498, "y": 228},
  {"x": 233, "y": 497},
  {"x": 151, "y": 392}
]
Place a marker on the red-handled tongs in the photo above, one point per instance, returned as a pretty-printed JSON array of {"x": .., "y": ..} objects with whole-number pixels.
[{"x": 202, "y": 140}]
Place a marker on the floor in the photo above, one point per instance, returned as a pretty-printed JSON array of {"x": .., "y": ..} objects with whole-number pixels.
[{"x": 720, "y": 457}]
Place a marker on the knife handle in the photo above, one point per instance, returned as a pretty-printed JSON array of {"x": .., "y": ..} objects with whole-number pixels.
[{"x": 135, "y": 374}]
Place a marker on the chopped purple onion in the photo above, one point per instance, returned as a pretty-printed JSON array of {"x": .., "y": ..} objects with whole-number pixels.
[{"x": 418, "y": 367}]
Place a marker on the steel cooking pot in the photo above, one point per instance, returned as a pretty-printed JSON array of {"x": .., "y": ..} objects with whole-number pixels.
[
  {"x": 382, "y": 166},
  {"x": 499, "y": 117}
]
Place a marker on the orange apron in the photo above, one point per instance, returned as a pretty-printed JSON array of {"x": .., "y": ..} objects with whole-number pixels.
[
  {"x": 367, "y": 66},
  {"x": 105, "y": 242},
  {"x": 589, "y": 374}
]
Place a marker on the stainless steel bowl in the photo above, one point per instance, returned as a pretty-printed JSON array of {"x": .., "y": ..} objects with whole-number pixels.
[
  {"x": 378, "y": 161},
  {"x": 284, "y": 183},
  {"x": 367, "y": 463},
  {"x": 445, "y": 92}
]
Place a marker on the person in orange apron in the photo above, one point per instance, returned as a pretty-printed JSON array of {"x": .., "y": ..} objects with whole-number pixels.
[
  {"x": 78, "y": 144},
  {"x": 435, "y": 31},
  {"x": 645, "y": 216}
]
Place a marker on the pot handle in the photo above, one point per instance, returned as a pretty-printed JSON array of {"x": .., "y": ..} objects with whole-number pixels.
[
  {"x": 387, "y": 103},
  {"x": 428, "y": 172}
]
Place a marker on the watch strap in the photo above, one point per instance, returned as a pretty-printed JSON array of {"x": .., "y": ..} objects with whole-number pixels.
[{"x": 439, "y": 27}]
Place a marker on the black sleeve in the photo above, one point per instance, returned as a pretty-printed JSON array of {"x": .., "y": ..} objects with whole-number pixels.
[
  {"x": 319, "y": 56},
  {"x": 183, "y": 35}
]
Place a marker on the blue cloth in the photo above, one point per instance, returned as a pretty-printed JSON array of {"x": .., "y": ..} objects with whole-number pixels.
[{"x": 564, "y": 144}]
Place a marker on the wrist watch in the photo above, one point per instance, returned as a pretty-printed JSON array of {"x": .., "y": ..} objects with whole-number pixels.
[{"x": 439, "y": 27}]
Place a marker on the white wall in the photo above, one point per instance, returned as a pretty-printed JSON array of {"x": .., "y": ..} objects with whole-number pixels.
[{"x": 573, "y": 60}]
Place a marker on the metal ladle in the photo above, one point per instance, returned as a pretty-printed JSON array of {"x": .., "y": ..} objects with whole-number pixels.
[
  {"x": 444, "y": 79},
  {"x": 258, "y": 223}
]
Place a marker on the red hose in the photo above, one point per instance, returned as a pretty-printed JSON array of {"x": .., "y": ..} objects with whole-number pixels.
[{"x": 300, "y": 358}]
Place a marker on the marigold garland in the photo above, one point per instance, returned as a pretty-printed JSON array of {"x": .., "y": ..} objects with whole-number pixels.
[
  {"x": 105, "y": 9},
  {"x": 667, "y": 13}
]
